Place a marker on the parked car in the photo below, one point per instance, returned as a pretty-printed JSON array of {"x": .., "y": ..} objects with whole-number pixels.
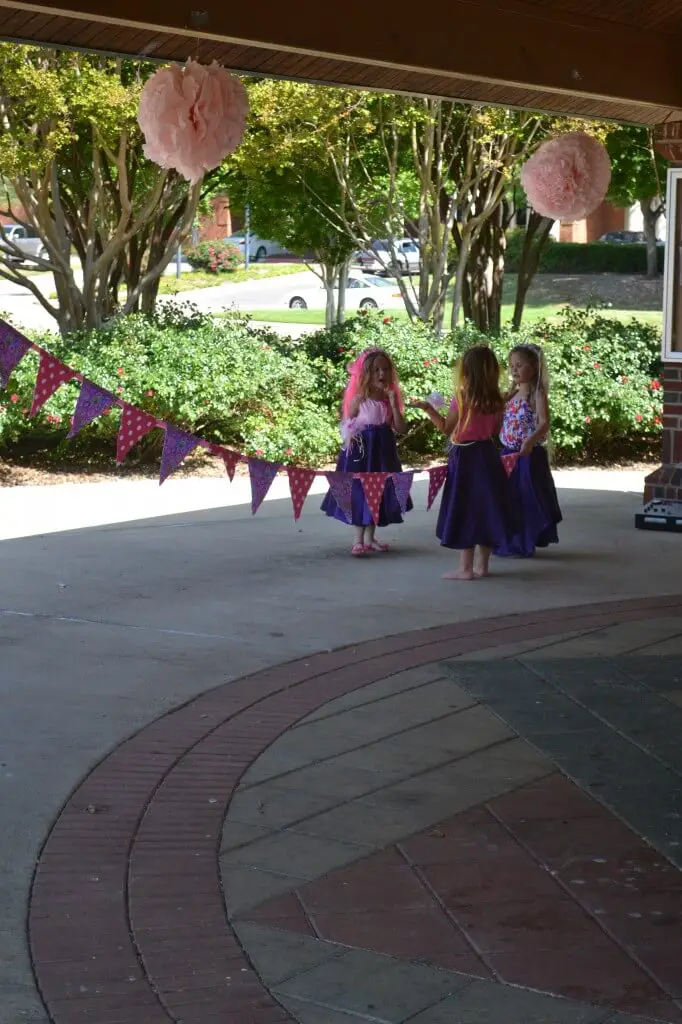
[
  {"x": 367, "y": 292},
  {"x": 378, "y": 258},
  {"x": 627, "y": 238},
  {"x": 259, "y": 248},
  {"x": 25, "y": 239}
]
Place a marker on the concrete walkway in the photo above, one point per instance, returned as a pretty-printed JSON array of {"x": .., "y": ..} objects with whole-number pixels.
[{"x": 104, "y": 629}]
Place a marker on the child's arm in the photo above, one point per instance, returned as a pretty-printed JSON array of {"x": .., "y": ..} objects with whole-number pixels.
[
  {"x": 446, "y": 424},
  {"x": 354, "y": 407},
  {"x": 542, "y": 429},
  {"x": 398, "y": 418}
]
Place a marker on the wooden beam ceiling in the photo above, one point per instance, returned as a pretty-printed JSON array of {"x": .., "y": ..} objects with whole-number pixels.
[{"x": 595, "y": 58}]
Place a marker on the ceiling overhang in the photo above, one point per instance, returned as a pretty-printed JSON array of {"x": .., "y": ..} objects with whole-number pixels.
[{"x": 616, "y": 59}]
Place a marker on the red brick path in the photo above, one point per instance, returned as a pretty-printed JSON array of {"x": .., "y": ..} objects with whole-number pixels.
[{"x": 127, "y": 923}]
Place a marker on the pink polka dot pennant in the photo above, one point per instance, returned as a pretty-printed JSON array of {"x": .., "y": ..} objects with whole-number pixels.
[
  {"x": 300, "y": 482},
  {"x": 135, "y": 424},
  {"x": 436, "y": 480},
  {"x": 51, "y": 375},
  {"x": 230, "y": 458},
  {"x": 373, "y": 485},
  {"x": 262, "y": 474}
]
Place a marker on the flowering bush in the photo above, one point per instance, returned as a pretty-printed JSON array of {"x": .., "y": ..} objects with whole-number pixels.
[
  {"x": 280, "y": 398},
  {"x": 214, "y": 257}
]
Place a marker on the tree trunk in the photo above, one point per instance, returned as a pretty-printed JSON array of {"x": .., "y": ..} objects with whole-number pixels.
[
  {"x": 484, "y": 274},
  {"x": 343, "y": 280},
  {"x": 329, "y": 279},
  {"x": 651, "y": 211},
  {"x": 534, "y": 241}
]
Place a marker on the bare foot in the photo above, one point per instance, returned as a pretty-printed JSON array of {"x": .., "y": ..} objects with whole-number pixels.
[
  {"x": 480, "y": 574},
  {"x": 465, "y": 576}
]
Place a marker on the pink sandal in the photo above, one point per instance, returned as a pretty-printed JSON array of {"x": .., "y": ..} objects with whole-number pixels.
[
  {"x": 358, "y": 551},
  {"x": 376, "y": 547}
]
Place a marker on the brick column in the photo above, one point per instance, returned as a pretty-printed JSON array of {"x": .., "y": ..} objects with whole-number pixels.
[{"x": 666, "y": 481}]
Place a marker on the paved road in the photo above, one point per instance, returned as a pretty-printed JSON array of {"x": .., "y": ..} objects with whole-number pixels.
[{"x": 273, "y": 293}]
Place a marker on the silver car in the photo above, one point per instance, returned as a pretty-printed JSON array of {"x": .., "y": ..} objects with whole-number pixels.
[
  {"x": 378, "y": 258},
  {"x": 26, "y": 240}
]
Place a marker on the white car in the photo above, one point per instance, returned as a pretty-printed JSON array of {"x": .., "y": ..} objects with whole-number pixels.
[
  {"x": 259, "y": 248},
  {"x": 25, "y": 239},
  {"x": 367, "y": 292},
  {"x": 378, "y": 258}
]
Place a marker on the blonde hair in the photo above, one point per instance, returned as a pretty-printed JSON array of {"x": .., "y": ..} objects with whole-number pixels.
[
  {"x": 536, "y": 357},
  {"x": 477, "y": 385}
]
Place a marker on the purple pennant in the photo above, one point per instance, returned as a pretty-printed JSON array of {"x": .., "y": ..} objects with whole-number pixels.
[
  {"x": 402, "y": 484},
  {"x": 13, "y": 348},
  {"x": 176, "y": 446},
  {"x": 262, "y": 474},
  {"x": 341, "y": 486},
  {"x": 92, "y": 402}
]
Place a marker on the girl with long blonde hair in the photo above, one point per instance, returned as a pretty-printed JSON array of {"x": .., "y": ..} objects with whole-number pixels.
[
  {"x": 525, "y": 430},
  {"x": 476, "y": 514}
]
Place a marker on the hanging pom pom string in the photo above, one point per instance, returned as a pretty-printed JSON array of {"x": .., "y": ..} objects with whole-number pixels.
[
  {"x": 192, "y": 117},
  {"x": 568, "y": 177}
]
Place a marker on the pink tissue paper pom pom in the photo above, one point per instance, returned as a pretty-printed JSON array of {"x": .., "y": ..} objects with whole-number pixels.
[
  {"x": 436, "y": 400},
  {"x": 568, "y": 177},
  {"x": 192, "y": 117}
]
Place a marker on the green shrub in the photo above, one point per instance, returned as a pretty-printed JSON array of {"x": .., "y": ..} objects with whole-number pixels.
[
  {"x": 280, "y": 398},
  {"x": 214, "y": 257},
  {"x": 582, "y": 258}
]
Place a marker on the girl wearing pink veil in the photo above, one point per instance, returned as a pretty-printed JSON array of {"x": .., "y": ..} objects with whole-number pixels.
[{"x": 373, "y": 413}]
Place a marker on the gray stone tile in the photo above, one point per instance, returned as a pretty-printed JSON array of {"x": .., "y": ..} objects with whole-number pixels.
[
  {"x": 626, "y": 1018},
  {"x": 245, "y": 886},
  {"x": 333, "y": 779},
  {"x": 615, "y": 640},
  {"x": 520, "y": 647},
  {"x": 273, "y": 763},
  {"x": 673, "y": 646},
  {"x": 460, "y": 734},
  {"x": 379, "y": 987},
  {"x": 305, "y": 856},
  {"x": 371, "y": 824},
  {"x": 413, "y": 678},
  {"x": 472, "y": 780},
  {"x": 675, "y": 696},
  {"x": 279, "y": 955},
  {"x": 486, "y": 1002},
  {"x": 236, "y": 833},
  {"x": 309, "y": 1013},
  {"x": 661, "y": 672},
  {"x": 622, "y": 702},
  {"x": 273, "y": 806}
]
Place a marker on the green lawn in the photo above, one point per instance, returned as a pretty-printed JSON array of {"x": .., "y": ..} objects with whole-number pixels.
[{"x": 314, "y": 316}]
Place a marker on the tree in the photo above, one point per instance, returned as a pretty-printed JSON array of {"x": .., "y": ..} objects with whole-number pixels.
[
  {"x": 72, "y": 156},
  {"x": 638, "y": 175},
  {"x": 282, "y": 171}
]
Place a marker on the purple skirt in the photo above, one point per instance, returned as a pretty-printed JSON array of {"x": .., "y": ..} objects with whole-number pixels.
[
  {"x": 374, "y": 451},
  {"x": 535, "y": 496},
  {"x": 476, "y": 507}
]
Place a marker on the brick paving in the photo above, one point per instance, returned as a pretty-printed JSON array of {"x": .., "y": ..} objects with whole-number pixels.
[{"x": 127, "y": 921}]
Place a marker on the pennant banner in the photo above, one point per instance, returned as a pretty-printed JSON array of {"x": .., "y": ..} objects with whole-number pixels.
[
  {"x": 135, "y": 425},
  {"x": 177, "y": 445},
  {"x": 13, "y": 348},
  {"x": 262, "y": 474},
  {"x": 509, "y": 462},
  {"x": 230, "y": 458},
  {"x": 300, "y": 482},
  {"x": 402, "y": 483},
  {"x": 92, "y": 402},
  {"x": 51, "y": 375},
  {"x": 436, "y": 480},
  {"x": 341, "y": 486},
  {"x": 373, "y": 485}
]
